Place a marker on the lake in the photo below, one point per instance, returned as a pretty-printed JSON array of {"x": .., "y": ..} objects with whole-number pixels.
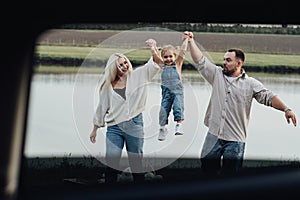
[{"x": 61, "y": 108}]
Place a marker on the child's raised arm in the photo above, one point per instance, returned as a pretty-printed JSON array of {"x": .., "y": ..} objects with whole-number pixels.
[
  {"x": 183, "y": 47},
  {"x": 181, "y": 55},
  {"x": 154, "y": 51}
]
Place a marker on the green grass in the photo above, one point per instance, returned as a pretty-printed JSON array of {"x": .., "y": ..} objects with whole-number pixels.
[
  {"x": 62, "y": 70},
  {"x": 262, "y": 60},
  {"x": 63, "y": 51},
  {"x": 87, "y": 52}
]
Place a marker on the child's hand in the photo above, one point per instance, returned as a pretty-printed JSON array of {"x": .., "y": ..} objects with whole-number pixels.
[
  {"x": 184, "y": 37},
  {"x": 188, "y": 35}
]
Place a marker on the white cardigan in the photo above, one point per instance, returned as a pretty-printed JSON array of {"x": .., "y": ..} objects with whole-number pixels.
[{"x": 113, "y": 109}]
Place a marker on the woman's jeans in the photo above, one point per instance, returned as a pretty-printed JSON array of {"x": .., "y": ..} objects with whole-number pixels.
[
  {"x": 221, "y": 156},
  {"x": 131, "y": 134}
]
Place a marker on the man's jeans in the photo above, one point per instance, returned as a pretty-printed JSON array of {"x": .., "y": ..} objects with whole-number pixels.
[{"x": 221, "y": 156}]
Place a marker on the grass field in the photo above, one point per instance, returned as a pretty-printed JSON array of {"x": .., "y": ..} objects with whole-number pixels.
[
  {"x": 212, "y": 42},
  {"x": 261, "y": 50},
  {"x": 252, "y": 59}
]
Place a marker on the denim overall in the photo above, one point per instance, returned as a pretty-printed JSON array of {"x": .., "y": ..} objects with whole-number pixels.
[{"x": 172, "y": 95}]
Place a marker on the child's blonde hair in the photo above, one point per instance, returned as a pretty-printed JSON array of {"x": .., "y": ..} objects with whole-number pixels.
[{"x": 168, "y": 47}]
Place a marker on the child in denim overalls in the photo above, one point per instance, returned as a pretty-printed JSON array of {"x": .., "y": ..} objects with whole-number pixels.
[{"x": 172, "y": 88}]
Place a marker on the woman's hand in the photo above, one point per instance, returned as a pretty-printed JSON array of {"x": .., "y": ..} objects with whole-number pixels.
[
  {"x": 151, "y": 43},
  {"x": 93, "y": 134}
]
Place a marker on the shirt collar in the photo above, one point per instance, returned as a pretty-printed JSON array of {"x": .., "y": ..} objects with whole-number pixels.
[{"x": 243, "y": 74}]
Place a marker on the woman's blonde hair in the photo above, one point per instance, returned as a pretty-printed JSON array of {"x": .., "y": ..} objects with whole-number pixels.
[{"x": 111, "y": 68}]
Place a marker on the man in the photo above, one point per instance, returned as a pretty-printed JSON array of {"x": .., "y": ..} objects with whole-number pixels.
[{"x": 228, "y": 112}]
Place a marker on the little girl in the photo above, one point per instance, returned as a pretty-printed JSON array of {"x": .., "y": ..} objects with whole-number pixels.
[{"x": 172, "y": 88}]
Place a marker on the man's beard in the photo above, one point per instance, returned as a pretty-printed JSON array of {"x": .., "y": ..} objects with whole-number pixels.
[{"x": 228, "y": 72}]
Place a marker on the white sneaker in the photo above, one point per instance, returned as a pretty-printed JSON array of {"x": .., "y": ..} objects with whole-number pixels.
[
  {"x": 178, "y": 129},
  {"x": 163, "y": 131}
]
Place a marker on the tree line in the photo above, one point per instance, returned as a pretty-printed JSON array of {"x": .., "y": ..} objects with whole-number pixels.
[{"x": 195, "y": 27}]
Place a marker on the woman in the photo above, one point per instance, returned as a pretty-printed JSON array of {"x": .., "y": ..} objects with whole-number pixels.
[{"x": 122, "y": 99}]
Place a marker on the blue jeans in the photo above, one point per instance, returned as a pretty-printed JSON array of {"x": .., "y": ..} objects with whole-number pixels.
[
  {"x": 171, "y": 100},
  {"x": 221, "y": 156},
  {"x": 131, "y": 134}
]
